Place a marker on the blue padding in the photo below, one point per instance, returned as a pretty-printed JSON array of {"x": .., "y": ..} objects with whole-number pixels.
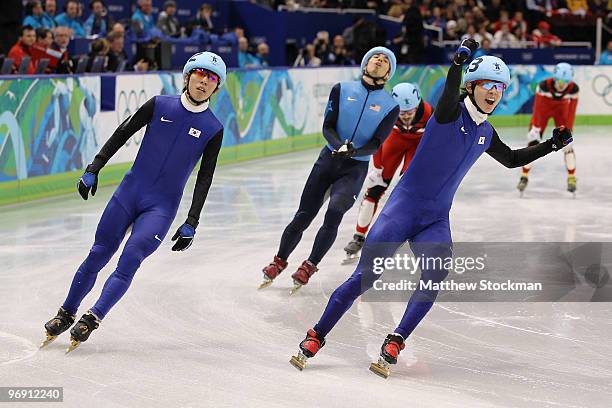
[{"x": 108, "y": 85}]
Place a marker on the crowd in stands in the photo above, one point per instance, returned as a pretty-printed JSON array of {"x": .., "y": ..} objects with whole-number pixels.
[
  {"x": 493, "y": 23},
  {"x": 45, "y": 34}
]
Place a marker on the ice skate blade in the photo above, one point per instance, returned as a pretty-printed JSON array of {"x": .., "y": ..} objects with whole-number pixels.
[
  {"x": 47, "y": 341},
  {"x": 350, "y": 260},
  {"x": 266, "y": 282},
  {"x": 73, "y": 345},
  {"x": 295, "y": 288},
  {"x": 298, "y": 361},
  {"x": 380, "y": 370}
]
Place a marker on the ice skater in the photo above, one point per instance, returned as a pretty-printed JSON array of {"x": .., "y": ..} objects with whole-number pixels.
[
  {"x": 181, "y": 130},
  {"x": 358, "y": 118},
  {"x": 555, "y": 98},
  {"x": 418, "y": 208},
  {"x": 400, "y": 145}
]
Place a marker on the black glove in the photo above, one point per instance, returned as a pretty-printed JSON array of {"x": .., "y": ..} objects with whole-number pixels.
[
  {"x": 465, "y": 50},
  {"x": 87, "y": 182},
  {"x": 183, "y": 237},
  {"x": 346, "y": 150},
  {"x": 561, "y": 137}
]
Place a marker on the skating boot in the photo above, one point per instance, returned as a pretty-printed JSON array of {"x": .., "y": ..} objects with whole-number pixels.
[
  {"x": 571, "y": 184},
  {"x": 353, "y": 248},
  {"x": 82, "y": 330},
  {"x": 308, "y": 348},
  {"x": 271, "y": 271},
  {"x": 393, "y": 344},
  {"x": 57, "y": 325},
  {"x": 522, "y": 185},
  {"x": 302, "y": 275}
]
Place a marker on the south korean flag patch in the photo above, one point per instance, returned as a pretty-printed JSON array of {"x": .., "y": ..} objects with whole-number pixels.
[{"x": 194, "y": 132}]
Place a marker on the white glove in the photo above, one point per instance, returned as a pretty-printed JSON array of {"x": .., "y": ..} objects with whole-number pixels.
[{"x": 375, "y": 178}]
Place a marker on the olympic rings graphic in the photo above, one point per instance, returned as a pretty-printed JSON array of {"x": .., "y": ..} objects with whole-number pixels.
[
  {"x": 602, "y": 86},
  {"x": 128, "y": 102}
]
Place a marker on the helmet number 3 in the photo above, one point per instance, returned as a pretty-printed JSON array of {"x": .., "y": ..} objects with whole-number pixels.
[{"x": 474, "y": 65}]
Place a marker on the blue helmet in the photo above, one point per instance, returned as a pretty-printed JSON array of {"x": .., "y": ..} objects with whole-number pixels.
[
  {"x": 207, "y": 60},
  {"x": 380, "y": 50},
  {"x": 406, "y": 95},
  {"x": 487, "y": 67},
  {"x": 564, "y": 72}
]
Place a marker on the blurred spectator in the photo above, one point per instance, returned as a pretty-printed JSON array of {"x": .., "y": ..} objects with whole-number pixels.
[
  {"x": 50, "y": 10},
  {"x": 99, "y": 21},
  {"x": 203, "y": 20},
  {"x": 308, "y": 58},
  {"x": 42, "y": 49},
  {"x": 483, "y": 33},
  {"x": 142, "y": 19},
  {"x": 22, "y": 48},
  {"x": 543, "y": 37},
  {"x": 396, "y": 9},
  {"x": 519, "y": 21},
  {"x": 412, "y": 48},
  {"x": 69, "y": 19},
  {"x": 471, "y": 33},
  {"x": 599, "y": 8},
  {"x": 245, "y": 58},
  {"x": 480, "y": 20},
  {"x": 436, "y": 18},
  {"x": 116, "y": 52},
  {"x": 99, "y": 48},
  {"x": 44, "y": 38},
  {"x": 167, "y": 21},
  {"x": 504, "y": 20},
  {"x": 36, "y": 17},
  {"x": 349, "y": 33},
  {"x": 504, "y": 38},
  {"x": 451, "y": 31},
  {"x": 321, "y": 43},
  {"x": 144, "y": 65},
  {"x": 367, "y": 35},
  {"x": 485, "y": 48},
  {"x": 536, "y": 11},
  {"x": 62, "y": 37},
  {"x": 118, "y": 28},
  {"x": 578, "y": 7},
  {"x": 239, "y": 32},
  {"x": 606, "y": 57},
  {"x": 338, "y": 54},
  {"x": 10, "y": 21},
  {"x": 263, "y": 52},
  {"x": 493, "y": 10}
]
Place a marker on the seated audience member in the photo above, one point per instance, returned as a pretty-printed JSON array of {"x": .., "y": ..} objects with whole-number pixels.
[
  {"x": 116, "y": 53},
  {"x": 543, "y": 37},
  {"x": 22, "y": 48},
  {"x": 70, "y": 19},
  {"x": 35, "y": 16},
  {"x": 99, "y": 21},
  {"x": 62, "y": 37},
  {"x": 167, "y": 21},
  {"x": 142, "y": 19}
]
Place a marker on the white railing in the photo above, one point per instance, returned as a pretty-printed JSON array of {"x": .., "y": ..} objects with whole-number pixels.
[{"x": 326, "y": 10}]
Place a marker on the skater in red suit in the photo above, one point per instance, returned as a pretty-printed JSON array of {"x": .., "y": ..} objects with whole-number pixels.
[
  {"x": 400, "y": 145},
  {"x": 556, "y": 98}
]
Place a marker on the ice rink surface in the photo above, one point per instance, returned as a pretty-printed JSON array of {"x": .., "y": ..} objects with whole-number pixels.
[{"x": 193, "y": 331}]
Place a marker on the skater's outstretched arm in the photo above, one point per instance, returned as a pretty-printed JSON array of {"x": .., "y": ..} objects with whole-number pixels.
[
  {"x": 204, "y": 179},
  {"x": 520, "y": 157},
  {"x": 448, "y": 108},
  {"x": 331, "y": 117},
  {"x": 382, "y": 132},
  {"x": 125, "y": 130}
]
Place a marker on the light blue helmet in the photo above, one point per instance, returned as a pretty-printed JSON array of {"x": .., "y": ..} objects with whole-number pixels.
[
  {"x": 406, "y": 95},
  {"x": 207, "y": 60},
  {"x": 564, "y": 72},
  {"x": 487, "y": 67},
  {"x": 380, "y": 50}
]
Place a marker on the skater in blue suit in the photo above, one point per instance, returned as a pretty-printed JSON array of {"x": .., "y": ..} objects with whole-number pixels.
[
  {"x": 418, "y": 209},
  {"x": 180, "y": 131}
]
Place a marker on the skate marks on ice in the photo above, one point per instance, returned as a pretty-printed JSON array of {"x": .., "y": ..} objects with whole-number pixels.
[{"x": 14, "y": 349}]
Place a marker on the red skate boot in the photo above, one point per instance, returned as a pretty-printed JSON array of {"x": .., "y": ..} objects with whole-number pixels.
[
  {"x": 308, "y": 348},
  {"x": 271, "y": 271},
  {"x": 302, "y": 275},
  {"x": 393, "y": 344}
]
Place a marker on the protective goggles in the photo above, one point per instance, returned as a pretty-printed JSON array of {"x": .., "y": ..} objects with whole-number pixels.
[
  {"x": 201, "y": 73},
  {"x": 488, "y": 85}
]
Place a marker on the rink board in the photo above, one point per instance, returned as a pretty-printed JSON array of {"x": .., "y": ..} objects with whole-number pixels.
[{"x": 51, "y": 127}]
